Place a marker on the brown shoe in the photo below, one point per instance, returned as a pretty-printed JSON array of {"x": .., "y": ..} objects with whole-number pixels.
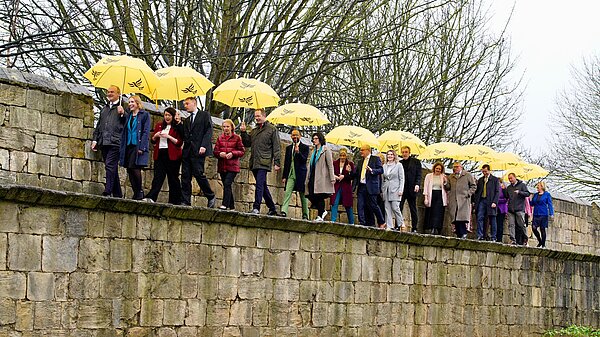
[{"x": 382, "y": 226}]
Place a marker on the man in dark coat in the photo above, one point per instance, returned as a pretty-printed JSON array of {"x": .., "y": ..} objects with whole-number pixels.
[
  {"x": 265, "y": 151},
  {"x": 294, "y": 173},
  {"x": 412, "y": 184},
  {"x": 368, "y": 186},
  {"x": 486, "y": 202},
  {"x": 107, "y": 137},
  {"x": 197, "y": 145},
  {"x": 517, "y": 192}
]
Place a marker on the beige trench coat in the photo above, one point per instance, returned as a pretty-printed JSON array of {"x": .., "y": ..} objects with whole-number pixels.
[
  {"x": 324, "y": 175},
  {"x": 459, "y": 196}
]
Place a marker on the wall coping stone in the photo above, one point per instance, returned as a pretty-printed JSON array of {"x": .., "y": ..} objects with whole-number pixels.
[
  {"x": 40, "y": 196},
  {"x": 43, "y": 83}
]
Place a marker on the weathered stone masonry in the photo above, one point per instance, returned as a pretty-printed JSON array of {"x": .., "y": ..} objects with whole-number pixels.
[{"x": 82, "y": 265}]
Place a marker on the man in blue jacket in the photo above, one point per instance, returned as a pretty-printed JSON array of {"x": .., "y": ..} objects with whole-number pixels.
[{"x": 368, "y": 187}]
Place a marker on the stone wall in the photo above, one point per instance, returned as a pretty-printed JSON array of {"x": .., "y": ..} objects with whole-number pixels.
[
  {"x": 84, "y": 265},
  {"x": 46, "y": 127}
]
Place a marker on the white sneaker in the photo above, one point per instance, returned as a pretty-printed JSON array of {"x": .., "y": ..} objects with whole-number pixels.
[
  {"x": 324, "y": 215},
  {"x": 319, "y": 219},
  {"x": 148, "y": 200},
  {"x": 255, "y": 211}
]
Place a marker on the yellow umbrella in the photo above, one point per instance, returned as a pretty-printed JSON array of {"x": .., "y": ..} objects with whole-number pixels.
[
  {"x": 179, "y": 83},
  {"x": 298, "y": 114},
  {"x": 475, "y": 152},
  {"x": 504, "y": 161},
  {"x": 441, "y": 150},
  {"x": 130, "y": 74},
  {"x": 394, "y": 140},
  {"x": 527, "y": 171},
  {"x": 246, "y": 93},
  {"x": 352, "y": 136}
]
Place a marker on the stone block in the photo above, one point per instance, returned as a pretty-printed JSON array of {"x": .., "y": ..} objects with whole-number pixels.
[
  {"x": 55, "y": 125},
  {"x": 331, "y": 265},
  {"x": 198, "y": 259},
  {"x": 46, "y": 144},
  {"x": 26, "y": 119},
  {"x": 11, "y": 94},
  {"x": 191, "y": 232},
  {"x": 217, "y": 313},
  {"x": 174, "y": 312},
  {"x": 24, "y": 252},
  {"x": 84, "y": 285},
  {"x": 120, "y": 255},
  {"x": 13, "y": 285},
  {"x": 3, "y": 249},
  {"x": 18, "y": 161},
  {"x": 9, "y": 217},
  {"x": 47, "y": 315},
  {"x": 59, "y": 254},
  {"x": 174, "y": 257},
  {"x": 71, "y": 148},
  {"x": 69, "y": 185},
  {"x": 40, "y": 286},
  {"x": 286, "y": 290},
  {"x": 246, "y": 237},
  {"x": 60, "y": 167},
  {"x": 24, "y": 319},
  {"x": 8, "y": 177},
  {"x": 152, "y": 312},
  {"x": 241, "y": 313},
  {"x": 16, "y": 139},
  {"x": 301, "y": 265},
  {"x": 277, "y": 264},
  {"x": 95, "y": 314},
  {"x": 76, "y": 129},
  {"x": 196, "y": 312},
  {"x": 4, "y": 160},
  {"x": 164, "y": 285},
  {"x": 94, "y": 255},
  {"x": 219, "y": 234},
  {"x": 278, "y": 314},
  {"x": 81, "y": 169},
  {"x": 38, "y": 163}
]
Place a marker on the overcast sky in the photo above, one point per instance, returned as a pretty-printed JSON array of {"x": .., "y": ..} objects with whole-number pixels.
[{"x": 547, "y": 37}]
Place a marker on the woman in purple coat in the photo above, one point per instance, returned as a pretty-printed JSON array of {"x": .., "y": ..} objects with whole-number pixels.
[
  {"x": 502, "y": 210},
  {"x": 342, "y": 169}
]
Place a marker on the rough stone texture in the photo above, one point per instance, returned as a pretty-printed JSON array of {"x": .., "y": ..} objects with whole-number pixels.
[{"x": 59, "y": 254}]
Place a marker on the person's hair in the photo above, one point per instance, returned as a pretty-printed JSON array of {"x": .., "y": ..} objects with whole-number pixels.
[
  {"x": 296, "y": 130},
  {"x": 116, "y": 87},
  {"x": 512, "y": 174},
  {"x": 343, "y": 150},
  {"x": 486, "y": 166},
  {"x": 171, "y": 111},
  {"x": 405, "y": 147},
  {"x": 542, "y": 185},
  {"x": 320, "y": 136},
  {"x": 456, "y": 163},
  {"x": 230, "y": 123},
  {"x": 436, "y": 165},
  {"x": 262, "y": 111},
  {"x": 137, "y": 100},
  {"x": 393, "y": 153},
  {"x": 191, "y": 98},
  {"x": 366, "y": 147}
]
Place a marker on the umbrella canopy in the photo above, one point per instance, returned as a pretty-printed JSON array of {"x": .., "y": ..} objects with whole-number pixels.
[
  {"x": 395, "y": 140},
  {"x": 441, "y": 150},
  {"x": 179, "y": 83},
  {"x": 130, "y": 74},
  {"x": 298, "y": 114},
  {"x": 352, "y": 136},
  {"x": 527, "y": 171},
  {"x": 475, "y": 152},
  {"x": 504, "y": 161},
  {"x": 246, "y": 93}
]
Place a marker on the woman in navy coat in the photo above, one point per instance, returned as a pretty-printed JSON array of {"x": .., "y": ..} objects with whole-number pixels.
[{"x": 133, "y": 154}]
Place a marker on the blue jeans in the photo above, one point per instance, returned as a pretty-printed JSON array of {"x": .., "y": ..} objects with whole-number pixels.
[
  {"x": 334, "y": 209},
  {"x": 482, "y": 210}
]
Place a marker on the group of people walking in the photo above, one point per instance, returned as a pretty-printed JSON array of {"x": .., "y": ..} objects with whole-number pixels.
[{"x": 382, "y": 184}]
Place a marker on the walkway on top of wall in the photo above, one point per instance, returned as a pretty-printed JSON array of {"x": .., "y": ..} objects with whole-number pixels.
[{"x": 52, "y": 198}]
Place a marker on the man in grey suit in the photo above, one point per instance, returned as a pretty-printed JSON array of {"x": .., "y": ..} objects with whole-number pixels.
[{"x": 197, "y": 145}]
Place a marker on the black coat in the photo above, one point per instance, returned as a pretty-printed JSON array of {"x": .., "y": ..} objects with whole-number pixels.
[
  {"x": 492, "y": 194},
  {"x": 299, "y": 165},
  {"x": 372, "y": 178},
  {"x": 109, "y": 127},
  {"x": 412, "y": 175},
  {"x": 197, "y": 135}
]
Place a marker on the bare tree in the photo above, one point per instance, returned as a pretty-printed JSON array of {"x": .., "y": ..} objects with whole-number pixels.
[{"x": 576, "y": 145}]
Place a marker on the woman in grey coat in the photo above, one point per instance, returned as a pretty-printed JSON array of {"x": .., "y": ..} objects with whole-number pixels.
[{"x": 392, "y": 188}]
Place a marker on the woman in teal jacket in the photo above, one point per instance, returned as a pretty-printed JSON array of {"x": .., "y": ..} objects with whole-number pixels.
[{"x": 542, "y": 210}]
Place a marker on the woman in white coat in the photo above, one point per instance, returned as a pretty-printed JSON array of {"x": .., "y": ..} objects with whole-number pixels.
[{"x": 393, "y": 185}]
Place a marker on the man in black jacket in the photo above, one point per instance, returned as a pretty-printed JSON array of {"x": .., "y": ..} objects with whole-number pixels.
[
  {"x": 107, "y": 137},
  {"x": 517, "y": 192},
  {"x": 294, "y": 173},
  {"x": 412, "y": 183},
  {"x": 486, "y": 202},
  {"x": 197, "y": 145}
]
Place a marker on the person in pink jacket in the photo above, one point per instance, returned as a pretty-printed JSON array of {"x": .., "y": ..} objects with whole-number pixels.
[{"x": 436, "y": 199}]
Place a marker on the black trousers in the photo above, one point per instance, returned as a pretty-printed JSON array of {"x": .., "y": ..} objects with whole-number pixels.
[
  {"x": 412, "y": 205},
  {"x": 165, "y": 167},
  {"x": 110, "y": 156},
  {"x": 194, "y": 167},
  {"x": 368, "y": 209},
  {"x": 227, "y": 178},
  {"x": 317, "y": 201}
]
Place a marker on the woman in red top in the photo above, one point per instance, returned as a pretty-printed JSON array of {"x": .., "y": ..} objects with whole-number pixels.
[
  {"x": 167, "y": 157},
  {"x": 228, "y": 150}
]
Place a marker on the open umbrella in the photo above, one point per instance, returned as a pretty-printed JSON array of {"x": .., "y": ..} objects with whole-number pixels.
[
  {"x": 395, "y": 140},
  {"x": 298, "y": 114},
  {"x": 504, "y": 161},
  {"x": 352, "y": 136},
  {"x": 527, "y": 171},
  {"x": 441, "y": 150},
  {"x": 246, "y": 93},
  {"x": 475, "y": 152},
  {"x": 178, "y": 83},
  {"x": 130, "y": 74}
]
